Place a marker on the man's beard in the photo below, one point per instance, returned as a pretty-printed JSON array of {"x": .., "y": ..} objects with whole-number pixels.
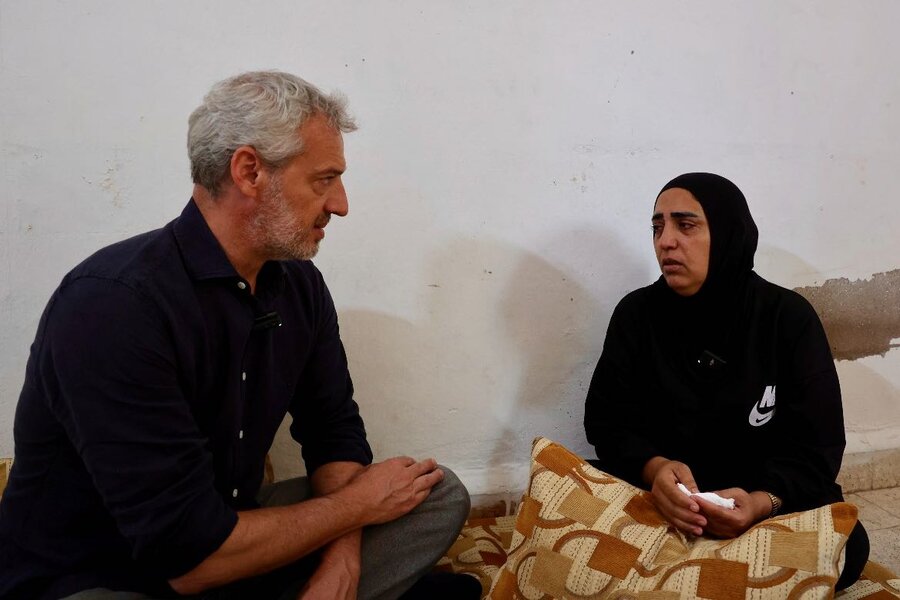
[{"x": 281, "y": 234}]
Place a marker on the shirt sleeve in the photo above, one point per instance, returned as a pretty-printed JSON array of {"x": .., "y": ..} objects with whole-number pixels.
[
  {"x": 808, "y": 443},
  {"x": 326, "y": 419},
  {"x": 108, "y": 368},
  {"x": 613, "y": 402}
]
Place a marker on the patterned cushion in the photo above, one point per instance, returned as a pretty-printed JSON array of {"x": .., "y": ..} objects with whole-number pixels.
[
  {"x": 582, "y": 533},
  {"x": 483, "y": 544},
  {"x": 480, "y": 550},
  {"x": 876, "y": 583},
  {"x": 5, "y": 466}
]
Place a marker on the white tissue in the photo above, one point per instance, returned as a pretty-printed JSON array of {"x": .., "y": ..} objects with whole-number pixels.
[{"x": 709, "y": 497}]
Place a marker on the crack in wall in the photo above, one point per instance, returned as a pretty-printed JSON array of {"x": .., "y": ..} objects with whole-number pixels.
[{"x": 862, "y": 317}]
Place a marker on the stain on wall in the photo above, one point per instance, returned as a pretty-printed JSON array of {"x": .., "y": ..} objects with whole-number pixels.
[{"x": 862, "y": 317}]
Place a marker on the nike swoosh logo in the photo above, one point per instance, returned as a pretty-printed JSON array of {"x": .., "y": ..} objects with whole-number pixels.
[{"x": 758, "y": 417}]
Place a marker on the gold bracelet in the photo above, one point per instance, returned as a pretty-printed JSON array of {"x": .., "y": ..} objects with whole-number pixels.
[{"x": 776, "y": 504}]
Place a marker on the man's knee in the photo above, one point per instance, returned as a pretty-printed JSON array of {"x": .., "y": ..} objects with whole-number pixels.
[{"x": 453, "y": 499}]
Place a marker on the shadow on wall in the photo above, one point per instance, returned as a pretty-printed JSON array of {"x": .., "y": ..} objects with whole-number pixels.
[
  {"x": 554, "y": 322},
  {"x": 506, "y": 342},
  {"x": 503, "y": 351},
  {"x": 875, "y": 406}
]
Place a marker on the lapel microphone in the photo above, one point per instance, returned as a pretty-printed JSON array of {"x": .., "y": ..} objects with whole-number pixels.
[
  {"x": 710, "y": 361},
  {"x": 266, "y": 321}
]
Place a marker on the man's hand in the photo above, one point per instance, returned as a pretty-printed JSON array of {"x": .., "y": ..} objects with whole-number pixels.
[
  {"x": 730, "y": 523},
  {"x": 677, "y": 507},
  {"x": 389, "y": 490},
  {"x": 268, "y": 538},
  {"x": 394, "y": 487}
]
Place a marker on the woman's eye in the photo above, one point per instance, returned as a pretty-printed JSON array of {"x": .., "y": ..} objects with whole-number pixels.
[
  {"x": 656, "y": 229},
  {"x": 686, "y": 226}
]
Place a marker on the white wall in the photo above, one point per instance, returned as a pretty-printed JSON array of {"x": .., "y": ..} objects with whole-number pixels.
[{"x": 500, "y": 183}]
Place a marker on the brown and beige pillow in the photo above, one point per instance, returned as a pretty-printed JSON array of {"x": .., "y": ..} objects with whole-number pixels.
[
  {"x": 5, "y": 466},
  {"x": 580, "y": 533}
]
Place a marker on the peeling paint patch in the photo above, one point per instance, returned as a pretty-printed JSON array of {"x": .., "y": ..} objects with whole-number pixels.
[
  {"x": 109, "y": 184},
  {"x": 862, "y": 317}
]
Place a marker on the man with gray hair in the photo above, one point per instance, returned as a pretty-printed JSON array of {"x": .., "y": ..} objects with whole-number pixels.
[{"x": 162, "y": 368}]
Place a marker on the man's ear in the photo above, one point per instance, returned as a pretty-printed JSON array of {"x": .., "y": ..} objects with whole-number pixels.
[{"x": 247, "y": 171}]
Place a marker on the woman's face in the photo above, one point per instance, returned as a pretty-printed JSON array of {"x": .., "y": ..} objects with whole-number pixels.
[{"x": 681, "y": 239}]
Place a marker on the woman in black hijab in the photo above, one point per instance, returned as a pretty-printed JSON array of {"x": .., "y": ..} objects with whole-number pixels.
[{"x": 714, "y": 378}]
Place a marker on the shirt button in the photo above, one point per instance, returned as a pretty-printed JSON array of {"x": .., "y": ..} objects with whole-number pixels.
[
  {"x": 241, "y": 434},
  {"x": 242, "y": 285},
  {"x": 234, "y": 493},
  {"x": 243, "y": 375}
]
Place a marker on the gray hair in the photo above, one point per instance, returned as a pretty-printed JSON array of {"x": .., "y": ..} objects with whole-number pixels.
[{"x": 263, "y": 109}]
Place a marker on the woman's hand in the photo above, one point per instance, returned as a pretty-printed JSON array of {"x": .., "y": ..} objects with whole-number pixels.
[
  {"x": 749, "y": 509},
  {"x": 678, "y": 508}
]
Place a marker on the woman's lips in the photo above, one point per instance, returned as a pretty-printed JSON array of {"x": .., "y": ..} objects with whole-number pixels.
[{"x": 670, "y": 265}]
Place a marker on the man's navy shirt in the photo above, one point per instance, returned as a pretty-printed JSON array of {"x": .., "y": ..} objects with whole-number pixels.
[{"x": 154, "y": 388}]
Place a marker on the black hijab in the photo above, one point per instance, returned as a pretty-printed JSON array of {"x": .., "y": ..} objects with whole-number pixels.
[
  {"x": 707, "y": 321},
  {"x": 732, "y": 230}
]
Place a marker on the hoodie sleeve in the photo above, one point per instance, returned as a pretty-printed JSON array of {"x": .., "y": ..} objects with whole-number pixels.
[
  {"x": 809, "y": 441},
  {"x": 614, "y": 407}
]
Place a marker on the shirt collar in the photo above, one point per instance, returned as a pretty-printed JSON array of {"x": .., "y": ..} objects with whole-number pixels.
[{"x": 204, "y": 258}]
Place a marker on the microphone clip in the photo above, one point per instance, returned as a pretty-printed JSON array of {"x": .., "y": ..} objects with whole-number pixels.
[
  {"x": 710, "y": 361},
  {"x": 266, "y": 321}
]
